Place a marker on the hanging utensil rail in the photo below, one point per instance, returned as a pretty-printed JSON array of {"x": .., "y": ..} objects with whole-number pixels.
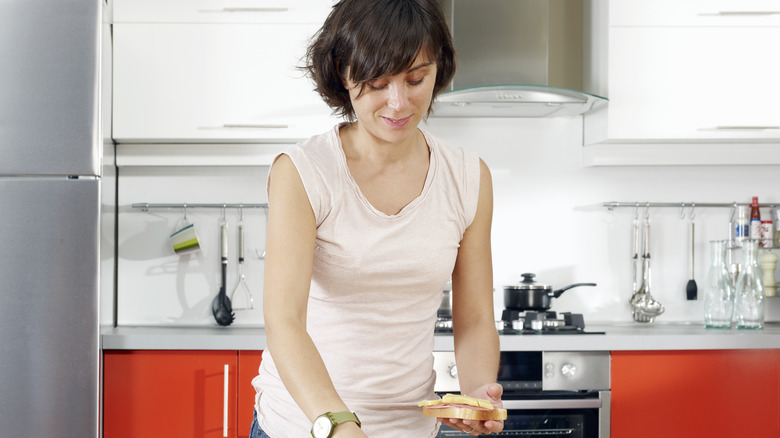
[
  {"x": 144, "y": 206},
  {"x": 611, "y": 205}
]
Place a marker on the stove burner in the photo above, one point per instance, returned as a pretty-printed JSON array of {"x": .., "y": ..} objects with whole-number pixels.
[{"x": 519, "y": 322}]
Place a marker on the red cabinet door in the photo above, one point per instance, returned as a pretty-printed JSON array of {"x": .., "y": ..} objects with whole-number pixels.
[
  {"x": 172, "y": 394},
  {"x": 248, "y": 364},
  {"x": 670, "y": 394}
]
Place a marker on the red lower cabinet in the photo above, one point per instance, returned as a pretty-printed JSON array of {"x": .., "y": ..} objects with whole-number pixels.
[
  {"x": 248, "y": 363},
  {"x": 172, "y": 394},
  {"x": 708, "y": 393}
]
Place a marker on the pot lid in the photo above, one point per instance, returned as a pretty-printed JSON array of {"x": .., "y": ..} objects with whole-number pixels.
[{"x": 528, "y": 283}]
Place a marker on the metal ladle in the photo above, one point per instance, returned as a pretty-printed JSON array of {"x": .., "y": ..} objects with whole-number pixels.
[{"x": 645, "y": 307}]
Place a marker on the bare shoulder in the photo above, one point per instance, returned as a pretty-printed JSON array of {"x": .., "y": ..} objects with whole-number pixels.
[{"x": 484, "y": 174}]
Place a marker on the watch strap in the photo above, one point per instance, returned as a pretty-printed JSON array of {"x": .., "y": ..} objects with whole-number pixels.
[{"x": 343, "y": 417}]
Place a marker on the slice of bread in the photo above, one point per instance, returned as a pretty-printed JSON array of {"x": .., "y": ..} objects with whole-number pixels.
[{"x": 464, "y": 412}]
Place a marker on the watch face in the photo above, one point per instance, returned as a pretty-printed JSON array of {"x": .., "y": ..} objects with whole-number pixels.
[{"x": 321, "y": 427}]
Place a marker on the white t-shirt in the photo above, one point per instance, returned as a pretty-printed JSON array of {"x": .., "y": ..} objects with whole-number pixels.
[{"x": 376, "y": 286}]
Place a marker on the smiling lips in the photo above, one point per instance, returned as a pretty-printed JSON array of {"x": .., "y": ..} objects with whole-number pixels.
[{"x": 397, "y": 123}]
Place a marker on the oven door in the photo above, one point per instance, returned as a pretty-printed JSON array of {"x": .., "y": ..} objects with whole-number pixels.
[{"x": 552, "y": 417}]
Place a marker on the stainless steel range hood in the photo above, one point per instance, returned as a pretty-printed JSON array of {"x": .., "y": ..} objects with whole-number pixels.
[{"x": 516, "y": 58}]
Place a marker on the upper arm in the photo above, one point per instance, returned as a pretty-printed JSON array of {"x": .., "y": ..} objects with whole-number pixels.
[
  {"x": 291, "y": 232},
  {"x": 472, "y": 277}
]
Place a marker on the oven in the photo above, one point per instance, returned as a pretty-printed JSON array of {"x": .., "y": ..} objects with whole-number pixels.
[{"x": 546, "y": 394}]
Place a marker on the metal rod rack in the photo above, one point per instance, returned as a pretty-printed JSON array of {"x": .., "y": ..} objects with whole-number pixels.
[
  {"x": 144, "y": 206},
  {"x": 611, "y": 205}
]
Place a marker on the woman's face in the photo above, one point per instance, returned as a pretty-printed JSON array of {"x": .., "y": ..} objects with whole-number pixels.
[{"x": 390, "y": 108}]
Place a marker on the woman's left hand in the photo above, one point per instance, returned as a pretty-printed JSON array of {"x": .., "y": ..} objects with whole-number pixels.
[{"x": 491, "y": 392}]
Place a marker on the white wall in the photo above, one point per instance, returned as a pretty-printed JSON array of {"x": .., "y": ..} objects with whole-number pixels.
[
  {"x": 155, "y": 286},
  {"x": 548, "y": 217},
  {"x": 548, "y": 220}
]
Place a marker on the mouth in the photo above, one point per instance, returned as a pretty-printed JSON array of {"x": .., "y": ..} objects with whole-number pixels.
[{"x": 397, "y": 123}]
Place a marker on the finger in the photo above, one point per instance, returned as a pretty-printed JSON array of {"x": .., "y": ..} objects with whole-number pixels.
[
  {"x": 475, "y": 426},
  {"x": 494, "y": 426}
]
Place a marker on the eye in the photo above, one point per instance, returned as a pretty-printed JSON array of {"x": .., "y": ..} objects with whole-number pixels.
[
  {"x": 376, "y": 85},
  {"x": 417, "y": 82}
]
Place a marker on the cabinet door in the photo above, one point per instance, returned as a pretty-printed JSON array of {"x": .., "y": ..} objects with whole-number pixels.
[
  {"x": 248, "y": 365},
  {"x": 734, "y": 393},
  {"x": 172, "y": 394},
  {"x": 694, "y": 13},
  {"x": 668, "y": 83},
  {"x": 221, "y": 11},
  {"x": 214, "y": 82}
]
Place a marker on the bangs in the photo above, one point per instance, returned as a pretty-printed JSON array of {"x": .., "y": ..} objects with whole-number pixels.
[{"x": 376, "y": 54}]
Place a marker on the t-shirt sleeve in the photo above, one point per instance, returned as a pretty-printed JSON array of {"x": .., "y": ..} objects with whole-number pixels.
[{"x": 310, "y": 178}]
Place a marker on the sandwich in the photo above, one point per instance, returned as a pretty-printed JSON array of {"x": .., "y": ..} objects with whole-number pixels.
[{"x": 463, "y": 407}]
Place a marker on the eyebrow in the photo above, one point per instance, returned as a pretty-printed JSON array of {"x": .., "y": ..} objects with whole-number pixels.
[{"x": 417, "y": 67}]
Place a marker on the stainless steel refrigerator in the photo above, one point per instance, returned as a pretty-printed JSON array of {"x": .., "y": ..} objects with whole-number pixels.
[{"x": 51, "y": 144}]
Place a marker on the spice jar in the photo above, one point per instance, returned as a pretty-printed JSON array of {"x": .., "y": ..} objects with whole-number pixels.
[{"x": 742, "y": 224}]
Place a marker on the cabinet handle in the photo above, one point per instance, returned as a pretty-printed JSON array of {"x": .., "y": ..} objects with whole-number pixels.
[
  {"x": 225, "y": 402},
  {"x": 748, "y": 12},
  {"x": 255, "y": 125},
  {"x": 592, "y": 403},
  {"x": 255, "y": 9},
  {"x": 744, "y": 128}
]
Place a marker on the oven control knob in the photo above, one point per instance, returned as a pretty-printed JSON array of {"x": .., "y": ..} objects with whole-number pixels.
[
  {"x": 453, "y": 369},
  {"x": 569, "y": 370}
]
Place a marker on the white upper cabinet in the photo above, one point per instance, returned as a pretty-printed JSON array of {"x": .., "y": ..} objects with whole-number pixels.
[
  {"x": 221, "y": 11},
  {"x": 207, "y": 71},
  {"x": 695, "y": 74},
  {"x": 694, "y": 13}
]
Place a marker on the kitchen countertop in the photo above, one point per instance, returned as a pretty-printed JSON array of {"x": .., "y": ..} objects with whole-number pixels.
[{"x": 619, "y": 336}]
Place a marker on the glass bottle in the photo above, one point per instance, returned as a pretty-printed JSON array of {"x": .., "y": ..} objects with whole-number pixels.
[
  {"x": 749, "y": 304},
  {"x": 719, "y": 294},
  {"x": 755, "y": 219}
]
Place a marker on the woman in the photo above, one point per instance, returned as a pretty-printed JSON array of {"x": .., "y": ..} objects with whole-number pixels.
[{"x": 366, "y": 225}]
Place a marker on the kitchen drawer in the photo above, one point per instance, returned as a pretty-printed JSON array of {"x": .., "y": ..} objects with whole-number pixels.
[
  {"x": 190, "y": 83},
  {"x": 694, "y": 13},
  {"x": 221, "y": 11}
]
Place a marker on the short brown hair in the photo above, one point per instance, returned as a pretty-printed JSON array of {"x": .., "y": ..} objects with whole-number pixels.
[{"x": 374, "y": 39}]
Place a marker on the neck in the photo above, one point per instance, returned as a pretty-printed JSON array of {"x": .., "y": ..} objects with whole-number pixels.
[{"x": 359, "y": 144}]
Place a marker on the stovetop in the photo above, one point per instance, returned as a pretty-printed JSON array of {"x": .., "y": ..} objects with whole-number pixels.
[
  {"x": 515, "y": 322},
  {"x": 544, "y": 322}
]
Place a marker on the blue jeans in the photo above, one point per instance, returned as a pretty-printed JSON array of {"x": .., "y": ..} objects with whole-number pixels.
[{"x": 255, "y": 431}]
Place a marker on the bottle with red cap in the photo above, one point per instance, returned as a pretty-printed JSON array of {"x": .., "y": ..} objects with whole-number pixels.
[{"x": 755, "y": 219}]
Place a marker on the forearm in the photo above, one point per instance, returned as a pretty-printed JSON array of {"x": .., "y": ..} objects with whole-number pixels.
[
  {"x": 301, "y": 368},
  {"x": 477, "y": 354}
]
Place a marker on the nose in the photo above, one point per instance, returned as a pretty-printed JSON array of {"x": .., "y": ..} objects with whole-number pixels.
[{"x": 397, "y": 95}]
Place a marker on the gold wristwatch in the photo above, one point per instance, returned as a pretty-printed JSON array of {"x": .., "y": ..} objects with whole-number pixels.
[{"x": 323, "y": 426}]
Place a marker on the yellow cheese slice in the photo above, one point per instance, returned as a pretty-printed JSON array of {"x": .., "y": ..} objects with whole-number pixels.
[
  {"x": 429, "y": 402},
  {"x": 466, "y": 400}
]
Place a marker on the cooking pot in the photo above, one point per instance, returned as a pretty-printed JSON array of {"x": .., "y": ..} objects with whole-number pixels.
[{"x": 530, "y": 295}]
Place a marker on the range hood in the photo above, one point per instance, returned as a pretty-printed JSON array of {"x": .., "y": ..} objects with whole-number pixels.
[{"x": 516, "y": 58}]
